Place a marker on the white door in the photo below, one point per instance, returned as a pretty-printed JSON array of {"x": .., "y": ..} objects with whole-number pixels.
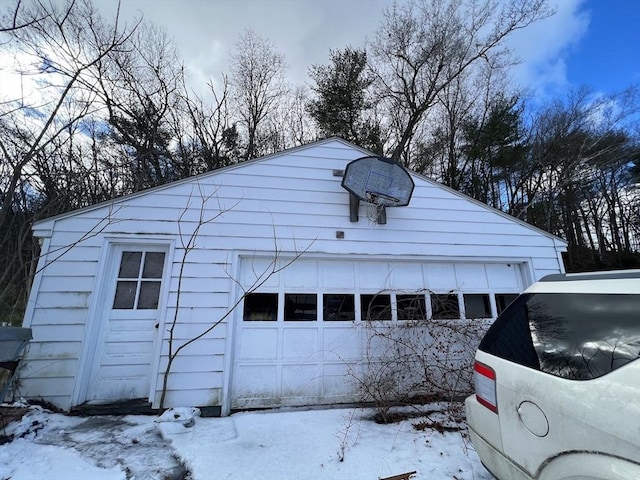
[
  {"x": 129, "y": 325},
  {"x": 300, "y": 339}
]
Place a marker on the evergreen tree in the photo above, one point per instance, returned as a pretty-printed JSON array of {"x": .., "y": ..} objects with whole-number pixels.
[{"x": 343, "y": 106}]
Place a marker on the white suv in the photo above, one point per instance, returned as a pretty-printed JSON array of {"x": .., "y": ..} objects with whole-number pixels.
[{"x": 557, "y": 380}]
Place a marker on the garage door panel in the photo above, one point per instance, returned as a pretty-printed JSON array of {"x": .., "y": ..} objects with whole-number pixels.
[
  {"x": 342, "y": 343},
  {"x": 256, "y": 380},
  {"x": 406, "y": 277},
  {"x": 258, "y": 270},
  {"x": 300, "y": 275},
  {"x": 301, "y": 380},
  {"x": 373, "y": 276},
  {"x": 338, "y": 380},
  {"x": 300, "y": 343},
  {"x": 441, "y": 277},
  {"x": 337, "y": 275},
  {"x": 379, "y": 343},
  {"x": 471, "y": 277},
  {"x": 258, "y": 344},
  {"x": 504, "y": 276}
]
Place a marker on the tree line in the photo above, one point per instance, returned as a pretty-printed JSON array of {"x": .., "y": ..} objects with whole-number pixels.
[{"x": 104, "y": 108}]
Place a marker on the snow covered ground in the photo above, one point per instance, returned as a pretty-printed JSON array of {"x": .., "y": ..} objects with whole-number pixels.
[{"x": 283, "y": 445}]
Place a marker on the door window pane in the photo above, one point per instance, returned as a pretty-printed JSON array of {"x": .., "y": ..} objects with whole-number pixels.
[
  {"x": 300, "y": 307},
  {"x": 261, "y": 307},
  {"x": 153, "y": 264},
  {"x": 130, "y": 265},
  {"x": 375, "y": 307},
  {"x": 477, "y": 305},
  {"x": 445, "y": 306},
  {"x": 411, "y": 307},
  {"x": 125, "y": 295},
  {"x": 149, "y": 294},
  {"x": 338, "y": 307}
]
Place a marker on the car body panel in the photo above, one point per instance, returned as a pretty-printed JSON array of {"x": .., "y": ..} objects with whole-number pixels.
[
  {"x": 574, "y": 410},
  {"x": 493, "y": 459}
]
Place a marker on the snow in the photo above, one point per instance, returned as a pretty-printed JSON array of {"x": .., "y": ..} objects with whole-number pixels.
[
  {"x": 277, "y": 444},
  {"x": 25, "y": 460}
]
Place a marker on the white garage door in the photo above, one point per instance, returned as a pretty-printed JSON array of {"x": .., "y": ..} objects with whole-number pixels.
[{"x": 300, "y": 337}]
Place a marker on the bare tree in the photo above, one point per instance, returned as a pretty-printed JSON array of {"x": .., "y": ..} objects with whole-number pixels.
[
  {"x": 210, "y": 138},
  {"x": 67, "y": 44},
  {"x": 140, "y": 89},
  {"x": 11, "y": 20},
  {"x": 61, "y": 47},
  {"x": 418, "y": 357},
  {"x": 257, "y": 80},
  {"x": 425, "y": 45},
  {"x": 298, "y": 128},
  {"x": 576, "y": 181}
]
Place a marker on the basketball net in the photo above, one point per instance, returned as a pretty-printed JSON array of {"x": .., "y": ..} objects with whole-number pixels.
[
  {"x": 376, "y": 205},
  {"x": 373, "y": 212}
]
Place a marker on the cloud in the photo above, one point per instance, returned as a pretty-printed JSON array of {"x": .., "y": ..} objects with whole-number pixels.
[
  {"x": 303, "y": 30},
  {"x": 544, "y": 47}
]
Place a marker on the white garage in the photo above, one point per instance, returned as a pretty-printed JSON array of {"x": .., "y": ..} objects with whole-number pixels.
[{"x": 160, "y": 293}]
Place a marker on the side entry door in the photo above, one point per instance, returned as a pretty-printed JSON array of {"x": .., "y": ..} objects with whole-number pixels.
[{"x": 129, "y": 325}]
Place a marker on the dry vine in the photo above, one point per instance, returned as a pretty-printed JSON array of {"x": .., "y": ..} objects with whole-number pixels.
[{"x": 409, "y": 362}]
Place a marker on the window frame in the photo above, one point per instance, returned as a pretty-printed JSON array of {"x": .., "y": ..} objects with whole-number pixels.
[
  {"x": 287, "y": 319},
  {"x": 378, "y": 295},
  {"x": 450, "y": 295},
  {"x": 426, "y": 307}
]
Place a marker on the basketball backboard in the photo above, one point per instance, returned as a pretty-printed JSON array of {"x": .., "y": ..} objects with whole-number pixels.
[{"x": 378, "y": 180}]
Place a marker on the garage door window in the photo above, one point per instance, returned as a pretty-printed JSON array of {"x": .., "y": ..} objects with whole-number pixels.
[
  {"x": 375, "y": 307},
  {"x": 338, "y": 307},
  {"x": 411, "y": 307},
  {"x": 300, "y": 307},
  {"x": 445, "y": 306},
  {"x": 261, "y": 307},
  {"x": 341, "y": 307},
  {"x": 477, "y": 305}
]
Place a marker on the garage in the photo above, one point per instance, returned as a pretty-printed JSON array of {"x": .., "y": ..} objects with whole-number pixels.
[
  {"x": 300, "y": 337},
  {"x": 365, "y": 243}
]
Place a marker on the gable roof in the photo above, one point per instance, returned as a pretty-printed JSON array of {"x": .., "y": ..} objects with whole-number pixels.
[{"x": 40, "y": 229}]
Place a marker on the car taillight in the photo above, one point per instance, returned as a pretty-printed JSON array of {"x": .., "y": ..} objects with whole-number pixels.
[{"x": 485, "y": 383}]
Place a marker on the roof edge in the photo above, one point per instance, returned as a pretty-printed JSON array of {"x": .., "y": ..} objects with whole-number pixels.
[{"x": 38, "y": 225}]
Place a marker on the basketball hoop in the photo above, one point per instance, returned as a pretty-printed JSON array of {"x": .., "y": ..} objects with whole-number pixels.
[
  {"x": 379, "y": 181},
  {"x": 380, "y": 199}
]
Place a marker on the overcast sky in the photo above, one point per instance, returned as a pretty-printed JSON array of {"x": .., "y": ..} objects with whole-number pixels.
[{"x": 593, "y": 42}]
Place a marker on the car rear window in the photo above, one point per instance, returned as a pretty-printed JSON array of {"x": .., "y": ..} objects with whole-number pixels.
[{"x": 570, "y": 335}]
